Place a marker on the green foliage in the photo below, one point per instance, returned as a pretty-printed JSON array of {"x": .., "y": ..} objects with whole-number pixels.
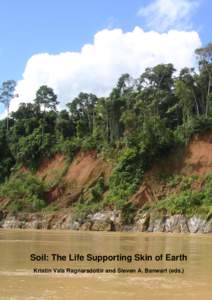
[
  {"x": 6, "y": 95},
  {"x": 181, "y": 181},
  {"x": 50, "y": 208},
  {"x": 69, "y": 147},
  {"x": 57, "y": 177},
  {"x": 150, "y": 113},
  {"x": 88, "y": 144},
  {"x": 180, "y": 204},
  {"x": 125, "y": 178},
  {"x": 82, "y": 110},
  {"x": 32, "y": 148},
  {"x": 93, "y": 202},
  {"x": 45, "y": 96},
  {"x": 128, "y": 212},
  {"x": 134, "y": 126},
  {"x": 135, "y": 159},
  {"x": 97, "y": 190},
  {"x": 188, "y": 201},
  {"x": 81, "y": 210},
  {"x": 7, "y": 161},
  {"x": 24, "y": 192}
]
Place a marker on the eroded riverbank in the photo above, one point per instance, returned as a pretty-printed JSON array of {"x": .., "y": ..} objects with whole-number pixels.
[{"x": 108, "y": 221}]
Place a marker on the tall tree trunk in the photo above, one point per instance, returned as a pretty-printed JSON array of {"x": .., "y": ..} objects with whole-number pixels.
[
  {"x": 196, "y": 103},
  {"x": 8, "y": 111}
]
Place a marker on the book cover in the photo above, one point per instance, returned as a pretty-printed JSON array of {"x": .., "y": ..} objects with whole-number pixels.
[{"x": 105, "y": 150}]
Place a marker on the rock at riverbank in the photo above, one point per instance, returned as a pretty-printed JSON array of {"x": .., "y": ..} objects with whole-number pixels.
[{"x": 108, "y": 221}]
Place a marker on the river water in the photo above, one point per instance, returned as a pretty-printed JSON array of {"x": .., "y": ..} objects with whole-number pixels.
[{"x": 18, "y": 280}]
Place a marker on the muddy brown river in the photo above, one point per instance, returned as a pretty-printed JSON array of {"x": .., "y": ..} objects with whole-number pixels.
[{"x": 65, "y": 266}]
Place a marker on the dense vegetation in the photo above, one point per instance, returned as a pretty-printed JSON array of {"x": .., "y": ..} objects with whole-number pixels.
[
  {"x": 138, "y": 122},
  {"x": 188, "y": 201}
]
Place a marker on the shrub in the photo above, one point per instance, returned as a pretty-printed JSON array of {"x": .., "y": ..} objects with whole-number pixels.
[
  {"x": 88, "y": 144},
  {"x": 24, "y": 192},
  {"x": 68, "y": 147},
  {"x": 188, "y": 202}
]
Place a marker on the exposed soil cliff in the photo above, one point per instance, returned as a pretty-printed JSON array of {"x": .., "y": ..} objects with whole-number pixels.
[
  {"x": 50, "y": 168},
  {"x": 195, "y": 159},
  {"x": 71, "y": 182}
]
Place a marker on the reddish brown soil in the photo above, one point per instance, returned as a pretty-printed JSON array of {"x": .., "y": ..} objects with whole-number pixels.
[
  {"x": 82, "y": 173},
  {"x": 195, "y": 159},
  {"x": 198, "y": 157},
  {"x": 24, "y": 169},
  {"x": 53, "y": 194},
  {"x": 3, "y": 202},
  {"x": 49, "y": 167},
  {"x": 86, "y": 169}
]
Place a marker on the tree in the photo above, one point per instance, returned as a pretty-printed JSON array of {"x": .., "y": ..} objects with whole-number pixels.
[
  {"x": 82, "y": 110},
  {"x": 155, "y": 87},
  {"x": 64, "y": 126},
  {"x": 6, "y": 95},
  {"x": 125, "y": 84},
  {"x": 116, "y": 104},
  {"x": 6, "y": 158},
  {"x": 204, "y": 56},
  {"x": 46, "y": 97}
]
